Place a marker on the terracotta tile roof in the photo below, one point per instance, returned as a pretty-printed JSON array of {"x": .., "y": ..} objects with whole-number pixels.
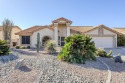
[
  {"x": 30, "y": 31},
  {"x": 81, "y": 29},
  {"x": 103, "y": 26},
  {"x": 85, "y": 29},
  {"x": 61, "y": 19},
  {"x": 120, "y": 30},
  {"x": 1, "y": 28}
]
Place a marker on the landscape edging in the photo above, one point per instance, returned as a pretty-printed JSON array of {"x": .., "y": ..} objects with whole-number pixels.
[{"x": 109, "y": 71}]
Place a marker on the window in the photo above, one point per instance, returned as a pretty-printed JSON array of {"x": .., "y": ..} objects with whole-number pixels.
[
  {"x": 58, "y": 40},
  {"x": 100, "y": 31},
  {"x": 62, "y": 41},
  {"x": 25, "y": 39}
]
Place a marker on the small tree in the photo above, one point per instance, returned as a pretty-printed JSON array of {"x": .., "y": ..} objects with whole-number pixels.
[
  {"x": 121, "y": 40},
  {"x": 7, "y": 29}
]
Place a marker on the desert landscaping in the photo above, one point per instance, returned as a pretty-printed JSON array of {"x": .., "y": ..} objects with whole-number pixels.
[{"x": 46, "y": 68}]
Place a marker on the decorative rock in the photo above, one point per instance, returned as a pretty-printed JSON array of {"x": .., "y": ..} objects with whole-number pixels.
[
  {"x": 118, "y": 59},
  {"x": 123, "y": 58},
  {"x": 19, "y": 63}
]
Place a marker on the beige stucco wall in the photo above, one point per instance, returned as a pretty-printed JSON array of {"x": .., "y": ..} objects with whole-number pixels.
[
  {"x": 62, "y": 30},
  {"x": 43, "y": 33},
  {"x": 1, "y": 35},
  {"x": 14, "y": 38},
  {"x": 105, "y": 32},
  {"x": 15, "y": 30},
  {"x": 106, "y": 35},
  {"x": 73, "y": 32}
]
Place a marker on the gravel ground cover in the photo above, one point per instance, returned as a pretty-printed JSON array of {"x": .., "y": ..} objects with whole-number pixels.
[
  {"x": 117, "y": 70},
  {"x": 47, "y": 69},
  {"x": 62, "y": 72},
  {"x": 9, "y": 73},
  {"x": 18, "y": 76}
]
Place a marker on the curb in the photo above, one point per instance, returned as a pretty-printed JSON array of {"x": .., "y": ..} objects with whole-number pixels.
[{"x": 109, "y": 72}]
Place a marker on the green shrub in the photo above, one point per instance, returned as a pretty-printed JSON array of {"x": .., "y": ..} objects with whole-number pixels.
[
  {"x": 4, "y": 48},
  {"x": 28, "y": 47},
  {"x": 17, "y": 47},
  {"x": 121, "y": 40},
  {"x": 77, "y": 49},
  {"x": 103, "y": 53},
  {"x": 109, "y": 54},
  {"x": 50, "y": 47},
  {"x": 23, "y": 47}
]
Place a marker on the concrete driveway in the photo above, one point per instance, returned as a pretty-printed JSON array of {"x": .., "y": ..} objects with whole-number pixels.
[{"x": 116, "y": 51}]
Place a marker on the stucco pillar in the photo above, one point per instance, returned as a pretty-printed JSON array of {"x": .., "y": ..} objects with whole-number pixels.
[
  {"x": 68, "y": 29},
  {"x": 116, "y": 41},
  {"x": 56, "y": 33},
  {"x": 20, "y": 41}
]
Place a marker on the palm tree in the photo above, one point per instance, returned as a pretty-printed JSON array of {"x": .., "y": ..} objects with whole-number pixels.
[{"x": 7, "y": 29}]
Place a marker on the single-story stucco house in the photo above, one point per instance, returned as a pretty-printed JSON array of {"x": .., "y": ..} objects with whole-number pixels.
[
  {"x": 14, "y": 38},
  {"x": 103, "y": 36}
]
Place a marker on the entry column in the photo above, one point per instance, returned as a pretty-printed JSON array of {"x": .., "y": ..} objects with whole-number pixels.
[
  {"x": 56, "y": 33},
  {"x": 68, "y": 29}
]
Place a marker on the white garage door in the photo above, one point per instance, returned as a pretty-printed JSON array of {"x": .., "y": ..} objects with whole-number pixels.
[{"x": 103, "y": 42}]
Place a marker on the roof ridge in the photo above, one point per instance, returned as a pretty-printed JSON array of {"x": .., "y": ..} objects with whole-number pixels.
[
  {"x": 33, "y": 29},
  {"x": 104, "y": 26},
  {"x": 62, "y": 18},
  {"x": 82, "y": 26},
  {"x": 118, "y": 28},
  {"x": 15, "y": 26}
]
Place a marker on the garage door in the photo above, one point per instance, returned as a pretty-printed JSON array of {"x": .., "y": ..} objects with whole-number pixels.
[{"x": 103, "y": 42}]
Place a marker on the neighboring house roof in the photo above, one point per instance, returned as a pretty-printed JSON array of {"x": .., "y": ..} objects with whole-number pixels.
[
  {"x": 61, "y": 19},
  {"x": 33, "y": 29},
  {"x": 1, "y": 27},
  {"x": 81, "y": 29},
  {"x": 120, "y": 30}
]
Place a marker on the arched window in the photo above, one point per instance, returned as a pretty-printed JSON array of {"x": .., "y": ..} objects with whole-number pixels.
[{"x": 100, "y": 31}]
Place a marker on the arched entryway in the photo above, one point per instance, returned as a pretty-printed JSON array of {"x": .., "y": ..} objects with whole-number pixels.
[{"x": 45, "y": 39}]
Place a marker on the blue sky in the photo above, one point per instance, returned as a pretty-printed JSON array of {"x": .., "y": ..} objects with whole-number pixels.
[{"x": 27, "y": 13}]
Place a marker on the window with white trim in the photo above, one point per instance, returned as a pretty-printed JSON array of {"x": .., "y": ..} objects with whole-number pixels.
[{"x": 25, "y": 39}]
